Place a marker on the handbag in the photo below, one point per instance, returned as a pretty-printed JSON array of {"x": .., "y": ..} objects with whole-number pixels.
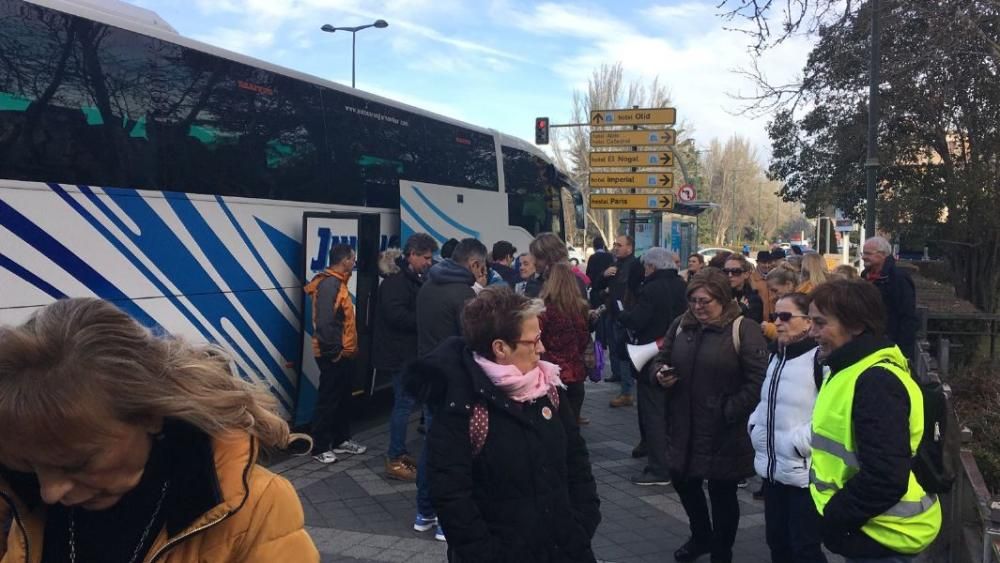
[
  {"x": 589, "y": 355},
  {"x": 596, "y": 374}
]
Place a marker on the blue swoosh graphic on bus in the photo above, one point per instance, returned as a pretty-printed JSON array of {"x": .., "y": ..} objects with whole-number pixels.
[
  {"x": 54, "y": 250},
  {"x": 420, "y": 220},
  {"x": 253, "y": 250},
  {"x": 289, "y": 248},
  {"x": 28, "y": 276},
  {"x": 444, "y": 216},
  {"x": 160, "y": 244}
]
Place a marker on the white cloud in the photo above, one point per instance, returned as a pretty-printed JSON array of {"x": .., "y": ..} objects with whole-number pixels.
[{"x": 698, "y": 69}]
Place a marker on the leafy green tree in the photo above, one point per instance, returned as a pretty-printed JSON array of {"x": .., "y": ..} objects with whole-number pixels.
[{"x": 939, "y": 135}]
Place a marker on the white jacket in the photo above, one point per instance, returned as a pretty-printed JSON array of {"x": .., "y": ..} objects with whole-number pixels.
[{"x": 780, "y": 427}]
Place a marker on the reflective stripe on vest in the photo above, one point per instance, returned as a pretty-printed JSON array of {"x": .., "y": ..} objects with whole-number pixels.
[{"x": 911, "y": 524}]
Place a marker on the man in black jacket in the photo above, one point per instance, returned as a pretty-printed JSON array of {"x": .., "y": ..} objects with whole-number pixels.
[
  {"x": 439, "y": 316},
  {"x": 618, "y": 285},
  {"x": 661, "y": 299},
  {"x": 503, "y": 259},
  {"x": 396, "y": 333},
  {"x": 598, "y": 262},
  {"x": 898, "y": 293}
]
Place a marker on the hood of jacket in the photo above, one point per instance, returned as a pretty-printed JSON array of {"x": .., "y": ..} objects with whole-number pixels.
[
  {"x": 448, "y": 271},
  {"x": 390, "y": 262}
]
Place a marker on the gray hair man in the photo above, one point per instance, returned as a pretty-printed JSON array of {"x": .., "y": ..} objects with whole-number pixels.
[
  {"x": 660, "y": 300},
  {"x": 898, "y": 293}
]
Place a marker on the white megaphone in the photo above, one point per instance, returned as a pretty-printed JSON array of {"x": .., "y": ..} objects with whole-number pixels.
[{"x": 640, "y": 354}]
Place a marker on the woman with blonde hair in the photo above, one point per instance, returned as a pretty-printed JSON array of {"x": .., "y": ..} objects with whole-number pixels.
[
  {"x": 812, "y": 273},
  {"x": 120, "y": 445},
  {"x": 565, "y": 333}
]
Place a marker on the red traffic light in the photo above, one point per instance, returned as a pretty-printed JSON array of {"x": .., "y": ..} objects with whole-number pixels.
[{"x": 542, "y": 131}]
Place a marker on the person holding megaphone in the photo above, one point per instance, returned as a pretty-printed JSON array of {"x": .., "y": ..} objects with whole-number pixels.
[{"x": 659, "y": 301}]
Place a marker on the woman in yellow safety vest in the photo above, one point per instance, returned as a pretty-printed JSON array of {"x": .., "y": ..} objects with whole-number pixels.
[{"x": 867, "y": 424}]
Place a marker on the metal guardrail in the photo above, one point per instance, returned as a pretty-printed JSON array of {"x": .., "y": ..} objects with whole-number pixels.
[{"x": 970, "y": 514}]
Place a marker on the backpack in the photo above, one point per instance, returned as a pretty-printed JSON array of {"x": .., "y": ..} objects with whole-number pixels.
[
  {"x": 932, "y": 466},
  {"x": 479, "y": 422}
]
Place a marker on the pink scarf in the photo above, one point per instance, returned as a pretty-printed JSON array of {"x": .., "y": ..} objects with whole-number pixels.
[{"x": 519, "y": 386}]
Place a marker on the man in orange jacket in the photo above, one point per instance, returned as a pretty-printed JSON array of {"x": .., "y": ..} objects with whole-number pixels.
[{"x": 335, "y": 344}]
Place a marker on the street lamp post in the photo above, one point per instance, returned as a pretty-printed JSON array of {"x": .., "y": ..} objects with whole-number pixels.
[{"x": 354, "y": 31}]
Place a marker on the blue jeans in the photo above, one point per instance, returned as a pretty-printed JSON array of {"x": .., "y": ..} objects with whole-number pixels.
[
  {"x": 623, "y": 369},
  {"x": 402, "y": 407},
  {"x": 424, "y": 506}
]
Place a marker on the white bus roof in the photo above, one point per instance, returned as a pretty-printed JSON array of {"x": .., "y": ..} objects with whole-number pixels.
[{"x": 140, "y": 20}]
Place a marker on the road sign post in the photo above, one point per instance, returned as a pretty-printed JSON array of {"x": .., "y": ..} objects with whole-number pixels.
[
  {"x": 634, "y": 116},
  {"x": 658, "y": 202},
  {"x": 660, "y": 137},
  {"x": 655, "y": 159},
  {"x": 663, "y": 180}
]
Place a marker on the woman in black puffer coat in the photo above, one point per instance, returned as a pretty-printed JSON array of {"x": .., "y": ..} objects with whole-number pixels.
[
  {"x": 510, "y": 476},
  {"x": 718, "y": 360}
]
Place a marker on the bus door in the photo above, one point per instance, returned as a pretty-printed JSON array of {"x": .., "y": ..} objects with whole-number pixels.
[{"x": 320, "y": 232}]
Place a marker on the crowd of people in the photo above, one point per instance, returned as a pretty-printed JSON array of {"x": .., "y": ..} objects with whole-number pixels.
[{"x": 780, "y": 369}]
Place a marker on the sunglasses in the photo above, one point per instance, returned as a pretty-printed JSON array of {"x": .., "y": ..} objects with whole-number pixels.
[
  {"x": 733, "y": 271},
  {"x": 785, "y": 316}
]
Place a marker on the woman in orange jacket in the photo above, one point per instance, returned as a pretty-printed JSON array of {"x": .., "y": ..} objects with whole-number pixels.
[{"x": 118, "y": 445}]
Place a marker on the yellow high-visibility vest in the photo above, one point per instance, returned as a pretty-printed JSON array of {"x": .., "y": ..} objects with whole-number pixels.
[{"x": 911, "y": 525}]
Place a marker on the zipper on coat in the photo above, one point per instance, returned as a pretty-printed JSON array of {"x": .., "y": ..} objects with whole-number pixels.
[{"x": 772, "y": 405}]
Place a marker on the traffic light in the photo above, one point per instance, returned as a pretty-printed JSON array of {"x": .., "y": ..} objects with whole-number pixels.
[{"x": 542, "y": 131}]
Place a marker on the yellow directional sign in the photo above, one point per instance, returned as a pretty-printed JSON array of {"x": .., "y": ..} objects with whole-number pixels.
[
  {"x": 631, "y": 180},
  {"x": 608, "y": 159},
  {"x": 649, "y": 116},
  {"x": 661, "y": 137},
  {"x": 632, "y": 201}
]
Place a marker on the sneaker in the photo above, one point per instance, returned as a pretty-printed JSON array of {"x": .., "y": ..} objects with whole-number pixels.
[
  {"x": 350, "y": 447},
  {"x": 326, "y": 458},
  {"x": 439, "y": 534},
  {"x": 400, "y": 470},
  {"x": 422, "y": 523},
  {"x": 648, "y": 478},
  {"x": 743, "y": 484},
  {"x": 621, "y": 401}
]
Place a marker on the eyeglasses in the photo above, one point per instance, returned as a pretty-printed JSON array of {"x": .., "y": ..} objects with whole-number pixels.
[
  {"x": 785, "y": 316},
  {"x": 535, "y": 342},
  {"x": 699, "y": 302},
  {"x": 733, "y": 271}
]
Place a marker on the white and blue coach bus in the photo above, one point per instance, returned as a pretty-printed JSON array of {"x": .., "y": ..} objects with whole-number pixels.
[{"x": 197, "y": 188}]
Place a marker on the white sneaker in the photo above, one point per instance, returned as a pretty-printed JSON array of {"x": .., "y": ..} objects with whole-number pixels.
[
  {"x": 439, "y": 534},
  {"x": 326, "y": 457},
  {"x": 350, "y": 447}
]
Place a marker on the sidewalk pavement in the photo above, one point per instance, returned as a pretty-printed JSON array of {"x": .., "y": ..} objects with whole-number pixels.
[{"x": 355, "y": 514}]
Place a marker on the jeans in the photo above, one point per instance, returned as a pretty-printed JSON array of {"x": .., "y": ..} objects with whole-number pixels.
[
  {"x": 332, "y": 419},
  {"x": 792, "y": 524},
  {"x": 719, "y": 530},
  {"x": 424, "y": 506},
  {"x": 621, "y": 365},
  {"x": 402, "y": 407}
]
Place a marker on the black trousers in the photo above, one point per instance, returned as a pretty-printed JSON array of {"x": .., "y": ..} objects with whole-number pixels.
[
  {"x": 332, "y": 418},
  {"x": 792, "y": 524},
  {"x": 719, "y": 530},
  {"x": 652, "y": 407},
  {"x": 576, "y": 392}
]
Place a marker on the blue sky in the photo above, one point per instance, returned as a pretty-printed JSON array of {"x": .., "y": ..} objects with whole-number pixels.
[{"x": 499, "y": 63}]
